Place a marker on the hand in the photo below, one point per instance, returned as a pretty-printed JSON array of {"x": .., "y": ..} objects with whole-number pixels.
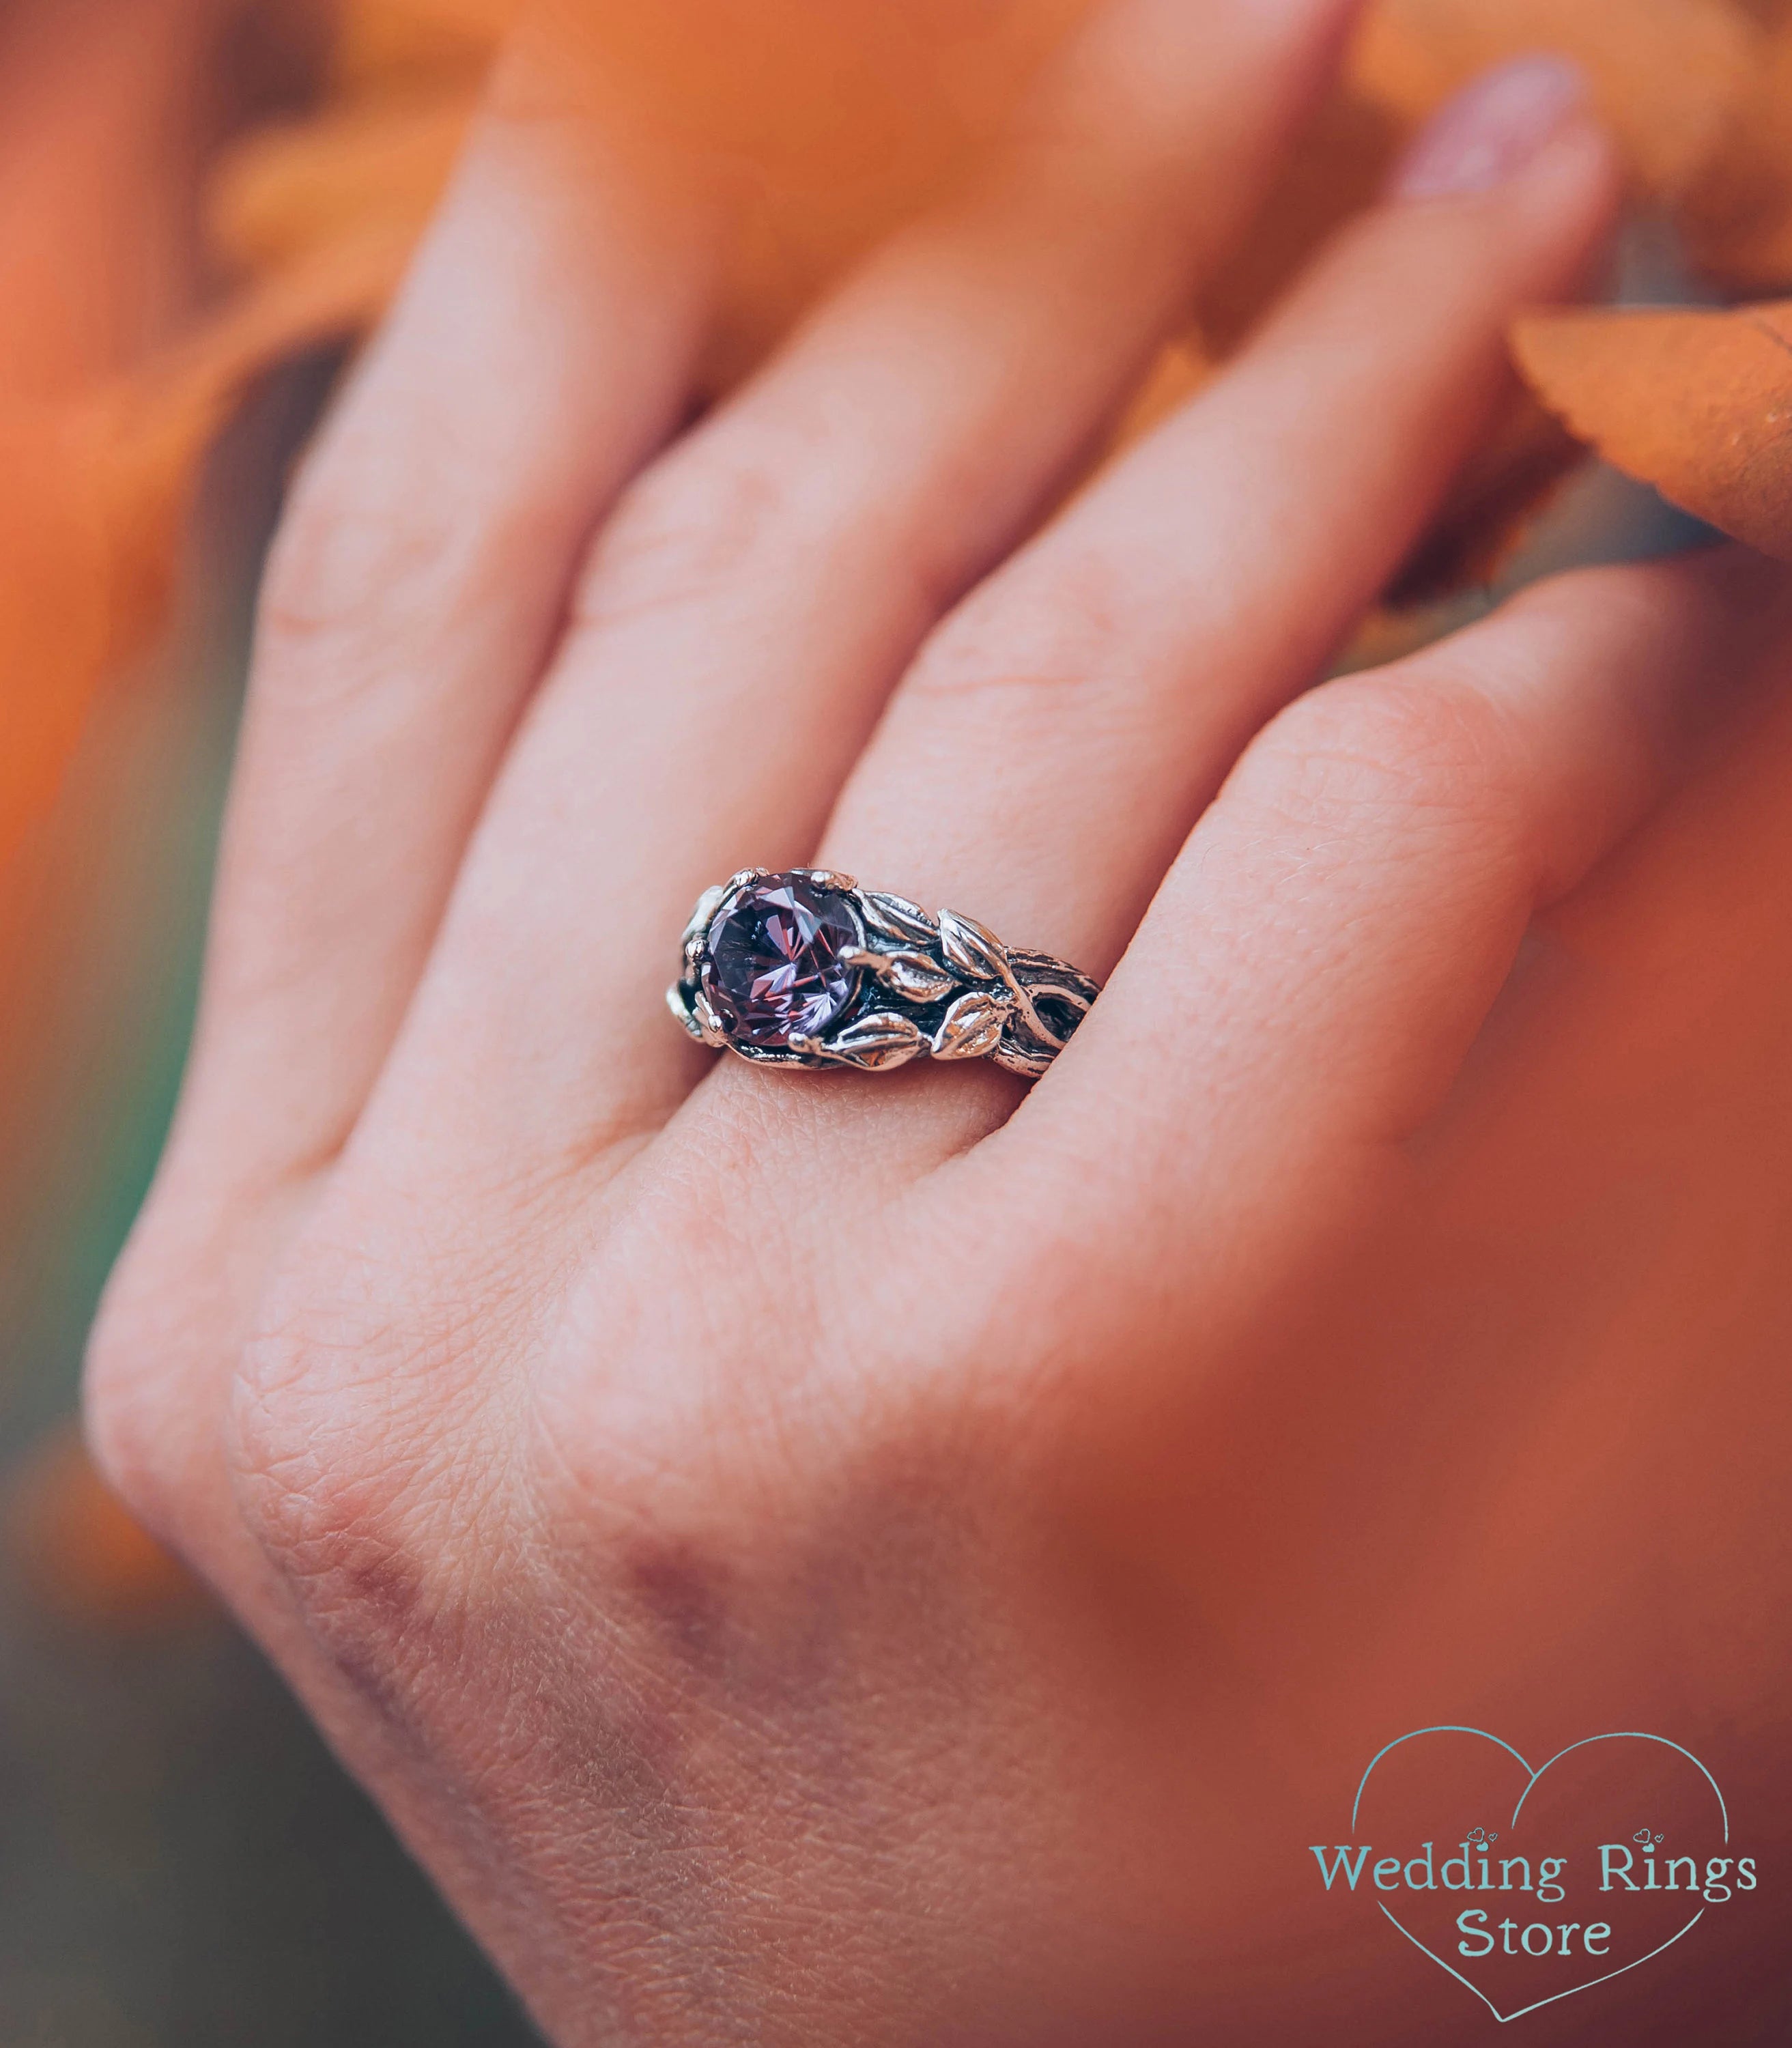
[{"x": 900, "y": 1558}]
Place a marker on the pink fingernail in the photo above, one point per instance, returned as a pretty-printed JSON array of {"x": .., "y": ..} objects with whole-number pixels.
[{"x": 1491, "y": 130}]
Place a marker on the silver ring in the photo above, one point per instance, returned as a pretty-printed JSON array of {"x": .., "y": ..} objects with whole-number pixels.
[{"x": 806, "y": 969}]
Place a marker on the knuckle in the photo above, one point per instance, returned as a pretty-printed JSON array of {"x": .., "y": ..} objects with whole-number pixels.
[
  {"x": 1028, "y": 637},
  {"x": 329, "y": 555},
  {"x": 1394, "y": 751},
  {"x": 156, "y": 1338},
  {"x": 349, "y": 1479},
  {"x": 319, "y": 1505},
  {"x": 371, "y": 552},
  {"x": 700, "y": 519},
  {"x": 122, "y": 1416},
  {"x": 320, "y": 1514}
]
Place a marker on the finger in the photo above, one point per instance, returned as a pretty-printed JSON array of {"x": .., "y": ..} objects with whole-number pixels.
[
  {"x": 752, "y": 603},
  {"x": 537, "y": 353},
  {"x": 540, "y": 351},
  {"x": 1309, "y": 980},
  {"x": 1052, "y": 747}
]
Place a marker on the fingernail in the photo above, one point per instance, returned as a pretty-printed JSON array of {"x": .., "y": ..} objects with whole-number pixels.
[{"x": 1491, "y": 130}]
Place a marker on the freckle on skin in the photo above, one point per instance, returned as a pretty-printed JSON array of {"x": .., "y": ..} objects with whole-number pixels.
[
  {"x": 683, "y": 1594},
  {"x": 381, "y": 1596},
  {"x": 384, "y": 1586}
]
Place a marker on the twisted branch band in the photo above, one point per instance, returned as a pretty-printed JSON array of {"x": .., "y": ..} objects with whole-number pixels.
[{"x": 807, "y": 969}]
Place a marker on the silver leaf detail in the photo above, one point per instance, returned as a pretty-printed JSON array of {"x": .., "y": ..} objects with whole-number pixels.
[
  {"x": 876, "y": 1042},
  {"x": 970, "y": 948},
  {"x": 678, "y": 1001},
  {"x": 709, "y": 903},
  {"x": 918, "y": 977},
  {"x": 898, "y": 918},
  {"x": 973, "y": 1027}
]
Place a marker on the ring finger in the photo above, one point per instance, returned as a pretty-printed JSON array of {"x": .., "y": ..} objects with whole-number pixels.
[
  {"x": 1057, "y": 740},
  {"x": 744, "y": 617}
]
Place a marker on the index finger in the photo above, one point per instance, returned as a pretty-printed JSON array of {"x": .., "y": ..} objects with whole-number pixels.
[{"x": 542, "y": 348}]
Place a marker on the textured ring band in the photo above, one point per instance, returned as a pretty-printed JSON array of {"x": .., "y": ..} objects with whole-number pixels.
[{"x": 807, "y": 969}]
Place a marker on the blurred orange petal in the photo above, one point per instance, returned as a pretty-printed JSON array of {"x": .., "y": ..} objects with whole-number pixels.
[
  {"x": 404, "y": 43},
  {"x": 289, "y": 189},
  {"x": 809, "y": 91},
  {"x": 1698, "y": 404},
  {"x": 1738, "y": 218},
  {"x": 98, "y": 139},
  {"x": 1668, "y": 75},
  {"x": 54, "y": 623}
]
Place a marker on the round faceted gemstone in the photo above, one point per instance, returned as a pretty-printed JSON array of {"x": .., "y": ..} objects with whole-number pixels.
[{"x": 776, "y": 965}]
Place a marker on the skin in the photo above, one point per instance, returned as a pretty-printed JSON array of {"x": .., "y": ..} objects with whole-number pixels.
[{"x": 868, "y": 1559}]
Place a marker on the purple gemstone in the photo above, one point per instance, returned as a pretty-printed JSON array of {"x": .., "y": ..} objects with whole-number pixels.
[{"x": 775, "y": 968}]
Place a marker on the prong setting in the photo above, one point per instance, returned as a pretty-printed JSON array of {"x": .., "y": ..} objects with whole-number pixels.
[{"x": 837, "y": 975}]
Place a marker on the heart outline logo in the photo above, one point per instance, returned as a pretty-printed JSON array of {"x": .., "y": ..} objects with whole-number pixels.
[{"x": 1532, "y": 1776}]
